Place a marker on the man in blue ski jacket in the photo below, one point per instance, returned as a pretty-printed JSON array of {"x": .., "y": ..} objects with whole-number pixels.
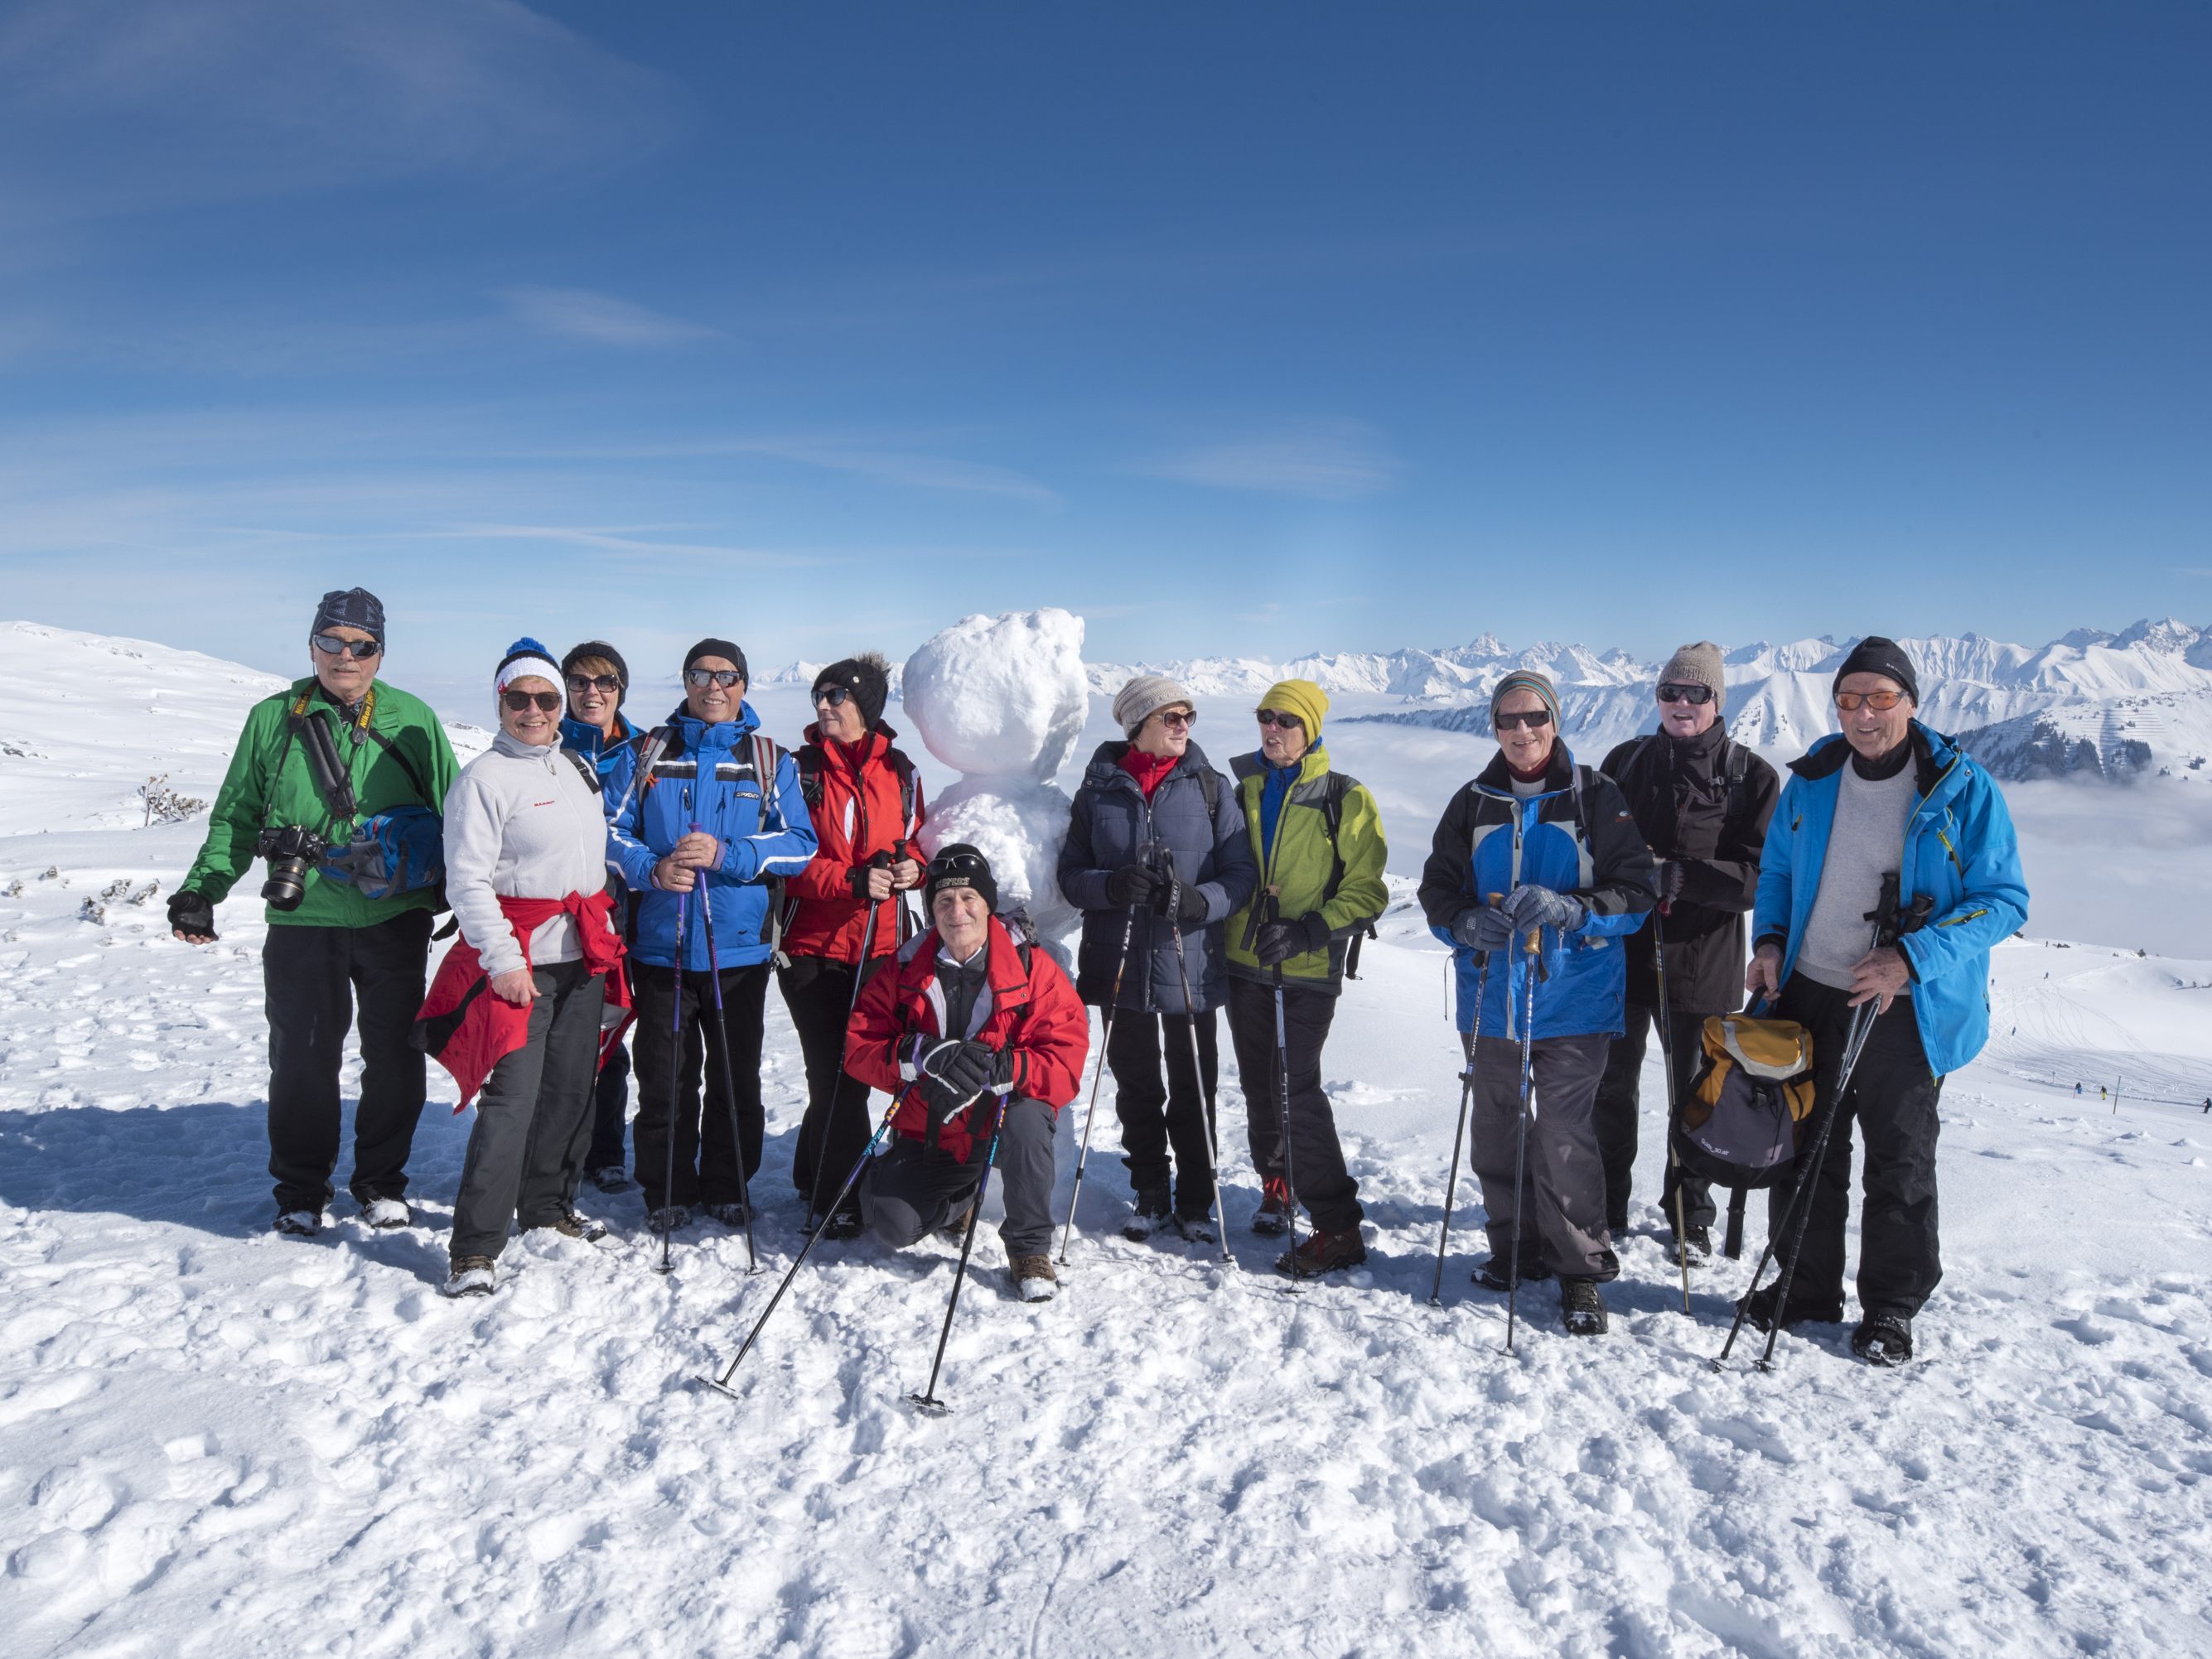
[
  {"x": 1887, "y": 796},
  {"x": 710, "y": 815}
]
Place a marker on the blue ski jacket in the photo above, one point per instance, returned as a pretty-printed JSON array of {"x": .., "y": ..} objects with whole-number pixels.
[
  {"x": 1959, "y": 851},
  {"x": 615, "y": 761},
  {"x": 707, "y": 775}
]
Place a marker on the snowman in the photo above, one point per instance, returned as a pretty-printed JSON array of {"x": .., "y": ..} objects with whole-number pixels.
[{"x": 1001, "y": 701}]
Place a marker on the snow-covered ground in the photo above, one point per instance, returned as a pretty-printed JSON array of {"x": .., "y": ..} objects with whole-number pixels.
[{"x": 214, "y": 1441}]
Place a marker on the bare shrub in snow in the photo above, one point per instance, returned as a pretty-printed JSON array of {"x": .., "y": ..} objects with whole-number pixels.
[{"x": 166, "y": 805}]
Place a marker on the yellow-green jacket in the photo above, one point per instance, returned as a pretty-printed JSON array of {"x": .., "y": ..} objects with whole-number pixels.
[{"x": 1339, "y": 876}]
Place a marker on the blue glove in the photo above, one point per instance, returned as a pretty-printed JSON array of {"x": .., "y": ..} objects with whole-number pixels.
[{"x": 1528, "y": 908}]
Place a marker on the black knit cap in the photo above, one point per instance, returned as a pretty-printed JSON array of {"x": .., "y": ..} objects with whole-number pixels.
[
  {"x": 866, "y": 677},
  {"x": 959, "y": 865},
  {"x": 1876, "y": 655},
  {"x": 350, "y": 607},
  {"x": 598, "y": 648},
  {"x": 721, "y": 648}
]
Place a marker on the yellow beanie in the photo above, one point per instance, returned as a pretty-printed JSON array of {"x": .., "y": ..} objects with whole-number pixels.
[{"x": 1300, "y": 697}]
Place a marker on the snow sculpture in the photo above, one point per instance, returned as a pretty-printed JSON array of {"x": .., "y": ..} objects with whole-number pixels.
[{"x": 1002, "y": 701}]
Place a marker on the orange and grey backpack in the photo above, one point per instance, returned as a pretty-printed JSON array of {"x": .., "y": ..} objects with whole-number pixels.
[{"x": 1750, "y": 1105}]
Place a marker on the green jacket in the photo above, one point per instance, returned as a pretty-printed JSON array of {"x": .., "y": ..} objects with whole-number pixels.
[
  {"x": 1304, "y": 863},
  {"x": 257, "y": 793}
]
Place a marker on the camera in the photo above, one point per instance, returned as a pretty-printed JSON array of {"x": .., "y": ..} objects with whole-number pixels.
[{"x": 289, "y": 851}]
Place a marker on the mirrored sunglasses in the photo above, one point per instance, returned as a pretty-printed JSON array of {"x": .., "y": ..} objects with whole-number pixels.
[
  {"x": 1847, "y": 701},
  {"x": 725, "y": 678},
  {"x": 331, "y": 646}
]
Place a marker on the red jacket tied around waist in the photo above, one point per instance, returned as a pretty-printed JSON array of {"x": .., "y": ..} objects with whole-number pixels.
[
  {"x": 468, "y": 1030},
  {"x": 1033, "y": 1013},
  {"x": 864, "y": 799}
]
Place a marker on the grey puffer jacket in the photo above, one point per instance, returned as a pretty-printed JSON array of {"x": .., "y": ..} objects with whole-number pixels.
[{"x": 1110, "y": 827}]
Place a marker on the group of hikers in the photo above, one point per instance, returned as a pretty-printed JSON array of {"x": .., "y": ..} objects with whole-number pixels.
[{"x": 614, "y": 882}]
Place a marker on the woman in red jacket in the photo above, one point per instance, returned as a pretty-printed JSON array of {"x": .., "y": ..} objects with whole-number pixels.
[
  {"x": 866, "y": 802},
  {"x": 967, "y": 1025}
]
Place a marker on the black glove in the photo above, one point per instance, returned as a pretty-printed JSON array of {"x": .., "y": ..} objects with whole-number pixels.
[
  {"x": 943, "y": 1101},
  {"x": 971, "y": 1067},
  {"x": 191, "y": 912},
  {"x": 1280, "y": 941},
  {"x": 1667, "y": 881},
  {"x": 857, "y": 877},
  {"x": 1528, "y": 908},
  {"x": 1132, "y": 884},
  {"x": 1483, "y": 927},
  {"x": 1190, "y": 906}
]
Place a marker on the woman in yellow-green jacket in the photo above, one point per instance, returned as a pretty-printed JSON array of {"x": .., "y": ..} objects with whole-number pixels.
[{"x": 1318, "y": 840}]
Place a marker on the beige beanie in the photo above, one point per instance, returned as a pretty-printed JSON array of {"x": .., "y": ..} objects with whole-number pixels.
[
  {"x": 1697, "y": 664},
  {"x": 1145, "y": 696}
]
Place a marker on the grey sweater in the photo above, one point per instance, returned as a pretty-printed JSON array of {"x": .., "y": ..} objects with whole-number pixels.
[
  {"x": 1865, "y": 842},
  {"x": 521, "y": 822}
]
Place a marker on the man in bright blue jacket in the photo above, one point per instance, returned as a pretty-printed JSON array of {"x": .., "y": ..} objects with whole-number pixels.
[
  {"x": 1888, "y": 796},
  {"x": 711, "y": 812}
]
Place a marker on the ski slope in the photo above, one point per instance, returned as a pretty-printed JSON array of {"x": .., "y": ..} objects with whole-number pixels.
[{"x": 214, "y": 1441}]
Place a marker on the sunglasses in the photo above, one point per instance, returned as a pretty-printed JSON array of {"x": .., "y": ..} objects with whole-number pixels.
[
  {"x": 835, "y": 696},
  {"x": 1288, "y": 722},
  {"x": 1696, "y": 696},
  {"x": 581, "y": 684},
  {"x": 519, "y": 701},
  {"x": 1184, "y": 717},
  {"x": 331, "y": 646},
  {"x": 1532, "y": 720},
  {"x": 702, "y": 677},
  {"x": 1848, "y": 700}
]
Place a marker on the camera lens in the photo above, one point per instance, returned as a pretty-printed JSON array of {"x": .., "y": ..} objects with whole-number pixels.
[{"x": 287, "y": 885}]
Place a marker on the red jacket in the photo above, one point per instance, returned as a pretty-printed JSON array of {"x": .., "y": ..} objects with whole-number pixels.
[
  {"x": 468, "y": 1030},
  {"x": 1033, "y": 1012},
  {"x": 854, "y": 797}
]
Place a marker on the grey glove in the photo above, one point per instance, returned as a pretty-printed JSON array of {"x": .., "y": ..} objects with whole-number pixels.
[
  {"x": 1528, "y": 908},
  {"x": 1483, "y": 927}
]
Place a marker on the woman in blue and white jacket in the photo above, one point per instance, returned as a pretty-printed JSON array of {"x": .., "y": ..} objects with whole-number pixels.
[{"x": 711, "y": 812}]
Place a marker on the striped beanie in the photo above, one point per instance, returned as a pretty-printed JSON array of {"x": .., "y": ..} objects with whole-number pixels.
[{"x": 1525, "y": 679}]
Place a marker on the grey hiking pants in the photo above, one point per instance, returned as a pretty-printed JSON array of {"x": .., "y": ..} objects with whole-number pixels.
[
  {"x": 1561, "y": 1206},
  {"x": 912, "y": 1190},
  {"x": 534, "y": 1117}
]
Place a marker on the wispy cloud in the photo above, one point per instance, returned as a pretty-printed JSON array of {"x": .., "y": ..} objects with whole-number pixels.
[
  {"x": 1321, "y": 461},
  {"x": 894, "y": 466},
  {"x": 577, "y": 313},
  {"x": 629, "y": 542}
]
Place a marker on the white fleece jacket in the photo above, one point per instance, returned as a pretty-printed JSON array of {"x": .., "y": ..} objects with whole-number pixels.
[{"x": 521, "y": 822}]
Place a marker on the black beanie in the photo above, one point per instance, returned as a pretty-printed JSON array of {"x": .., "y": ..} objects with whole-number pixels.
[
  {"x": 866, "y": 677},
  {"x": 1876, "y": 655},
  {"x": 959, "y": 865},
  {"x": 350, "y": 607},
  {"x": 721, "y": 648},
  {"x": 598, "y": 648}
]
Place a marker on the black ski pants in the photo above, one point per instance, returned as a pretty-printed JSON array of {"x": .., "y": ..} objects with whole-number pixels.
[
  {"x": 1619, "y": 1101},
  {"x": 677, "y": 1037},
  {"x": 1156, "y": 1114},
  {"x": 1559, "y": 1207},
  {"x": 1892, "y": 1097},
  {"x": 533, "y": 1118},
  {"x": 312, "y": 978},
  {"x": 1325, "y": 1186},
  {"x": 912, "y": 1189},
  {"x": 818, "y": 991},
  {"x": 610, "y": 1110}
]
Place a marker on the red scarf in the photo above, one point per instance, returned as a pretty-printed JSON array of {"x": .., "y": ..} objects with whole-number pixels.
[{"x": 1147, "y": 769}]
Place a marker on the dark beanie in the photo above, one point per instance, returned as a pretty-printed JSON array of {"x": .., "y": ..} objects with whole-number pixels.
[
  {"x": 598, "y": 648},
  {"x": 721, "y": 648},
  {"x": 959, "y": 865},
  {"x": 350, "y": 607},
  {"x": 1876, "y": 655},
  {"x": 866, "y": 677}
]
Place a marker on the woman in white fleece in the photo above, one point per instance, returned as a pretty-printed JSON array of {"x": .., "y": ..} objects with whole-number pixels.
[{"x": 525, "y": 864}]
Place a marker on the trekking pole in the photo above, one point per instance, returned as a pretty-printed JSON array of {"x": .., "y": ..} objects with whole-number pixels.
[
  {"x": 927, "y": 1401},
  {"x": 1532, "y": 950},
  {"x": 1198, "y": 1077},
  {"x": 1090, "y": 1112},
  {"x": 1283, "y": 1080},
  {"x": 1459, "y": 1129},
  {"x": 859, "y": 973},
  {"x": 729, "y": 1082},
  {"x": 1732, "y": 1243},
  {"x": 675, "y": 1079},
  {"x": 1666, "y": 1063},
  {"x": 722, "y": 1382}
]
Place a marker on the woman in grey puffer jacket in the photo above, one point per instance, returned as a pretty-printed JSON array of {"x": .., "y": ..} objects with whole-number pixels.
[{"x": 1156, "y": 857}]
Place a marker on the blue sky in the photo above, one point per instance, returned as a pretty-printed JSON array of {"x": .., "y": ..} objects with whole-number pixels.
[{"x": 1235, "y": 328}]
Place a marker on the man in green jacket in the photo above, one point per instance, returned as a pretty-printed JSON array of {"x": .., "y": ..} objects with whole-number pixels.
[
  {"x": 329, "y": 944},
  {"x": 1317, "y": 838}
]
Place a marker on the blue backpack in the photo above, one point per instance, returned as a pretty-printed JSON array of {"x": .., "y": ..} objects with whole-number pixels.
[{"x": 401, "y": 850}]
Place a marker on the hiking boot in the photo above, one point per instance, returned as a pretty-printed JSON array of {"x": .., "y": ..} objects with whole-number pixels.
[
  {"x": 299, "y": 1224},
  {"x": 669, "y": 1218},
  {"x": 1323, "y": 1253},
  {"x": 1495, "y": 1273},
  {"x": 846, "y": 1224},
  {"x": 570, "y": 1224},
  {"x": 1758, "y": 1309},
  {"x": 1149, "y": 1211},
  {"x": 1197, "y": 1229},
  {"x": 1034, "y": 1278},
  {"x": 1273, "y": 1215},
  {"x": 1581, "y": 1310},
  {"x": 472, "y": 1275},
  {"x": 956, "y": 1228},
  {"x": 386, "y": 1213},
  {"x": 1883, "y": 1340},
  {"x": 730, "y": 1215},
  {"x": 1697, "y": 1244},
  {"x": 610, "y": 1178}
]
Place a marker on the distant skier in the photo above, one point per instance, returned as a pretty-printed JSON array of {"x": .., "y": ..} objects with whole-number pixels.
[
  {"x": 1156, "y": 858},
  {"x": 314, "y": 763},
  {"x": 1559, "y": 841},
  {"x": 1701, "y": 801},
  {"x": 2077, "y": 1088},
  {"x": 966, "y": 1025},
  {"x": 1887, "y": 794}
]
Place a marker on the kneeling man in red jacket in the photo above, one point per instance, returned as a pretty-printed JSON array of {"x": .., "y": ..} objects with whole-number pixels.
[{"x": 978, "y": 1038}]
